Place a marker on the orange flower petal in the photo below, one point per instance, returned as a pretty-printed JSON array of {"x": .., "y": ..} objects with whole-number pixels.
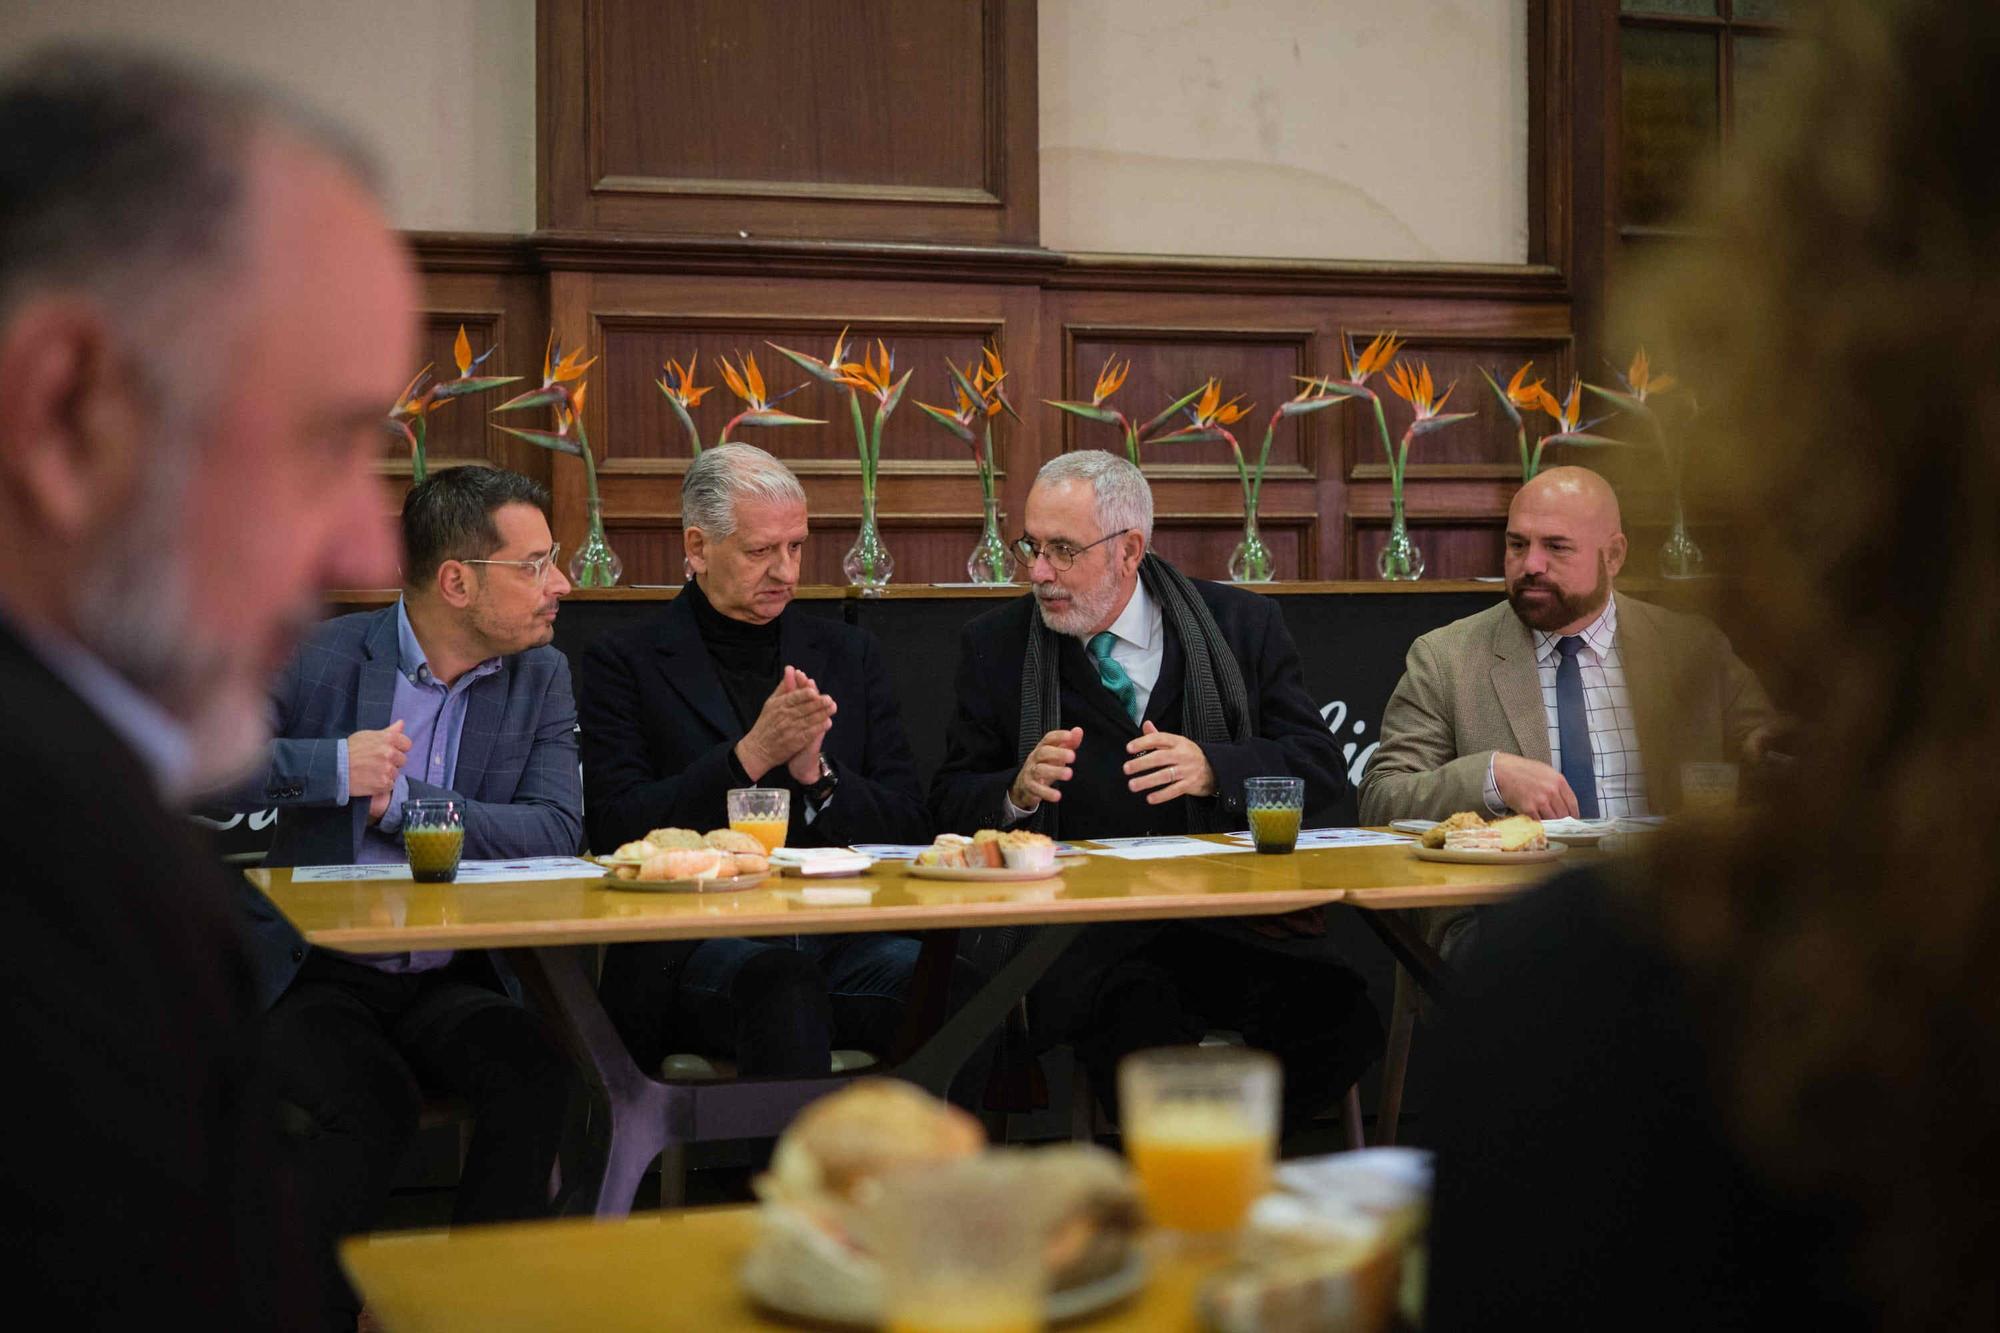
[{"x": 461, "y": 351}]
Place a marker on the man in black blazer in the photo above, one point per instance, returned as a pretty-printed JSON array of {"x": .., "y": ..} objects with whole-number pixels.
[
  {"x": 729, "y": 688},
  {"x": 1123, "y": 699},
  {"x": 202, "y": 315}
]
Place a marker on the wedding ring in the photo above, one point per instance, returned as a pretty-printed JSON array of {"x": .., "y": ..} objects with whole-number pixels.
[{"x": 1173, "y": 774}]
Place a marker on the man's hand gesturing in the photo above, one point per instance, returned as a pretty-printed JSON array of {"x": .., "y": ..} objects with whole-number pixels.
[
  {"x": 1049, "y": 763},
  {"x": 374, "y": 759},
  {"x": 794, "y": 718}
]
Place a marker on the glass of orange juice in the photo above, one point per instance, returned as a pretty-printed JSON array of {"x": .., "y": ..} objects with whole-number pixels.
[
  {"x": 762, "y": 812},
  {"x": 960, "y": 1250},
  {"x": 1201, "y": 1129}
]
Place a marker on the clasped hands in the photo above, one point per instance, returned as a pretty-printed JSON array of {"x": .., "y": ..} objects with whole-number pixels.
[
  {"x": 1163, "y": 766},
  {"x": 789, "y": 730}
]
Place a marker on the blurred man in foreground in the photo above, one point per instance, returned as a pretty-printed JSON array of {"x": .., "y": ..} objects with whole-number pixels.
[
  {"x": 202, "y": 314},
  {"x": 1568, "y": 700}
]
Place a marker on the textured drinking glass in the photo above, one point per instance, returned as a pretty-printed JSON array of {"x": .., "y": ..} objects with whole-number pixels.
[
  {"x": 433, "y": 838},
  {"x": 1276, "y": 805},
  {"x": 762, "y": 812},
  {"x": 1201, "y": 1128},
  {"x": 960, "y": 1250}
]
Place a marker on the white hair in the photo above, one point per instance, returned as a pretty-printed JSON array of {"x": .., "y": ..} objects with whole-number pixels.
[
  {"x": 1122, "y": 498},
  {"x": 720, "y": 477}
]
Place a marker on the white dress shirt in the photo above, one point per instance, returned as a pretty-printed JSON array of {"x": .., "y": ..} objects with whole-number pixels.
[{"x": 1614, "y": 736}]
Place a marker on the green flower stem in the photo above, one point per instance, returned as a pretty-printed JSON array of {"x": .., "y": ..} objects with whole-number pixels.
[
  {"x": 1388, "y": 450},
  {"x": 1263, "y": 461},
  {"x": 1528, "y": 468},
  {"x": 419, "y": 465}
]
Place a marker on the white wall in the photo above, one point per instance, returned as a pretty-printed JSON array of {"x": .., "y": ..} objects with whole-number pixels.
[
  {"x": 1312, "y": 129},
  {"x": 444, "y": 90},
  {"x": 1327, "y": 129}
]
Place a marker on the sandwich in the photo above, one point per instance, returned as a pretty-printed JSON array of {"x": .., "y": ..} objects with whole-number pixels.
[{"x": 847, "y": 1149}]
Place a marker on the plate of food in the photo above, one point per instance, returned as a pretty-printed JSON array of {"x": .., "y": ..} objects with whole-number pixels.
[
  {"x": 990, "y": 857},
  {"x": 1468, "y": 839},
  {"x": 677, "y": 860},
  {"x": 811, "y": 1260}
]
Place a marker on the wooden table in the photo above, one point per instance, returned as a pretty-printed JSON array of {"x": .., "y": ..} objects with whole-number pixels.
[
  {"x": 672, "y": 1270},
  {"x": 552, "y": 927}
]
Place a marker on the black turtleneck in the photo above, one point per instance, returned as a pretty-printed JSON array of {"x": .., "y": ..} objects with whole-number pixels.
[{"x": 746, "y": 656}]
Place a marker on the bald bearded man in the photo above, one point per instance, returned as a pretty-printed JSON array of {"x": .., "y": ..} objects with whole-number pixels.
[{"x": 1569, "y": 699}]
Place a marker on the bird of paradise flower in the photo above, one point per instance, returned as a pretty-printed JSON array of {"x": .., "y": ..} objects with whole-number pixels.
[
  {"x": 1520, "y": 396},
  {"x": 677, "y": 384},
  {"x": 425, "y": 395},
  {"x": 564, "y": 389},
  {"x": 1109, "y": 381},
  {"x": 981, "y": 399},
  {"x": 1679, "y": 557}
]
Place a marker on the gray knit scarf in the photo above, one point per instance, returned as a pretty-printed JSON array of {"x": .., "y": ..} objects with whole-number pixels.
[{"x": 1215, "y": 705}]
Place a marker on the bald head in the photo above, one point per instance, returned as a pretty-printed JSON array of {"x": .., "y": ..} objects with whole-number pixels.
[
  {"x": 1565, "y": 545},
  {"x": 1577, "y": 493}
]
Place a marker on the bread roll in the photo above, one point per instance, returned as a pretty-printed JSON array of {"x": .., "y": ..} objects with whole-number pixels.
[
  {"x": 729, "y": 840},
  {"x": 671, "y": 838}
]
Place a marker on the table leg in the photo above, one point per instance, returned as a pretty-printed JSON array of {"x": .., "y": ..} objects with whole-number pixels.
[
  {"x": 638, "y": 1106},
  {"x": 935, "y": 1063},
  {"x": 1399, "y": 931},
  {"x": 1396, "y": 1059}
]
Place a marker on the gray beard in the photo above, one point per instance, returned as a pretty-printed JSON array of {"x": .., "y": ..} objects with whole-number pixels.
[
  {"x": 132, "y": 613},
  {"x": 1086, "y": 609}
]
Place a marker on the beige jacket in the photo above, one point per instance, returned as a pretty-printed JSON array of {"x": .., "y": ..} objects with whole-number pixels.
[{"x": 1471, "y": 688}]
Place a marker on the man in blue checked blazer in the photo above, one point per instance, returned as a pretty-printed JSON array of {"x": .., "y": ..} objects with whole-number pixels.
[{"x": 453, "y": 692}]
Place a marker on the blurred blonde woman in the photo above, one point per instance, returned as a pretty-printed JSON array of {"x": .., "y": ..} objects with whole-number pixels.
[{"x": 1755, "y": 1080}]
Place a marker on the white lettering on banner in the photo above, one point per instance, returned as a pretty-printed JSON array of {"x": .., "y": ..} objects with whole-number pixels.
[
  {"x": 1356, "y": 754},
  {"x": 259, "y": 821}
]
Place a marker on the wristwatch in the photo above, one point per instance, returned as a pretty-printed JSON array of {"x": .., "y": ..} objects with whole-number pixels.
[{"x": 821, "y": 791}]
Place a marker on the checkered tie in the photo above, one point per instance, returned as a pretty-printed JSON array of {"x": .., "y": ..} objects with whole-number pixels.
[{"x": 1573, "y": 727}]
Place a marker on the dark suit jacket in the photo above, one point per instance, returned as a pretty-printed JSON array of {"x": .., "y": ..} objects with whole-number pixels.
[
  {"x": 981, "y": 759},
  {"x": 658, "y": 731},
  {"x": 516, "y": 772},
  {"x": 142, "y": 1185}
]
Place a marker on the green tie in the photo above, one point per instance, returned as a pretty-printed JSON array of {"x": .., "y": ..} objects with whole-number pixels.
[{"x": 1112, "y": 674}]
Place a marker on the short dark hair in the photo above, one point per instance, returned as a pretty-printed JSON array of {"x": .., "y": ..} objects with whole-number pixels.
[{"x": 449, "y": 516}]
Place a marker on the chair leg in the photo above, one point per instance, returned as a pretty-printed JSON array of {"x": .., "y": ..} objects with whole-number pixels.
[
  {"x": 1350, "y": 1115},
  {"x": 1082, "y": 1103},
  {"x": 1396, "y": 1059},
  {"x": 673, "y": 1175}
]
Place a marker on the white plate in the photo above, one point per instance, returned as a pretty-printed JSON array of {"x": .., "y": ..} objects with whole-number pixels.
[
  {"x": 720, "y": 884},
  {"x": 796, "y": 1301},
  {"x": 1453, "y": 856},
  {"x": 1579, "y": 832},
  {"x": 990, "y": 874},
  {"x": 1413, "y": 825}
]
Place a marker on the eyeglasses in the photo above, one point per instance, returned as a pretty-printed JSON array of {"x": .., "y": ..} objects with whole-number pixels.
[
  {"x": 539, "y": 566},
  {"x": 1061, "y": 555}
]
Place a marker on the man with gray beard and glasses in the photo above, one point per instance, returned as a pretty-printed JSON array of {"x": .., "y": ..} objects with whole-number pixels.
[
  {"x": 202, "y": 315},
  {"x": 1124, "y": 699},
  {"x": 1567, "y": 699}
]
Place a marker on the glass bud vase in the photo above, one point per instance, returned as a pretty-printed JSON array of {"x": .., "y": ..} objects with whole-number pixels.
[
  {"x": 1680, "y": 558},
  {"x": 596, "y": 565},
  {"x": 1400, "y": 559},
  {"x": 991, "y": 561},
  {"x": 1250, "y": 562},
  {"x": 868, "y": 564}
]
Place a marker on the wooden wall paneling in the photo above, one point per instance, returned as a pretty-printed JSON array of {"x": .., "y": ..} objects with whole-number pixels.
[
  {"x": 495, "y": 308},
  {"x": 911, "y": 119},
  {"x": 929, "y": 503}
]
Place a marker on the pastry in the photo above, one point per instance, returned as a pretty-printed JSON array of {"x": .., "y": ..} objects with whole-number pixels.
[
  {"x": 729, "y": 840},
  {"x": 1521, "y": 834},
  {"x": 675, "y": 837},
  {"x": 1435, "y": 835},
  {"x": 1028, "y": 851}
]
